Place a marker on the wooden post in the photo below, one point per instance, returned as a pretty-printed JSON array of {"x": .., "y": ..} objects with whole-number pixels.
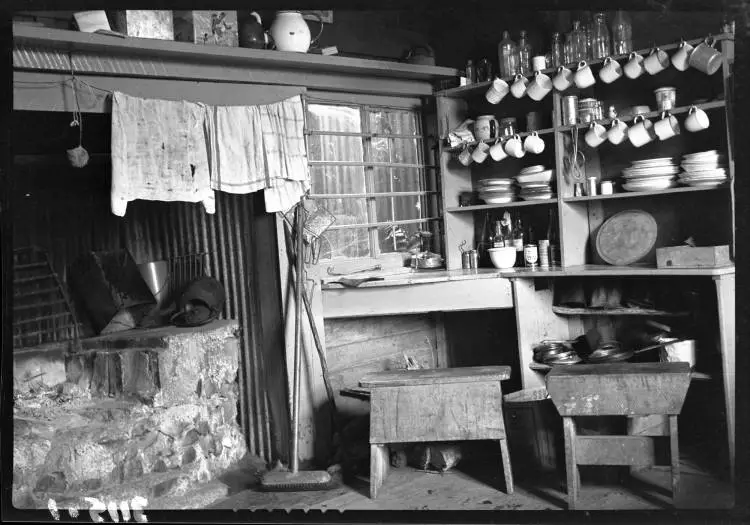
[{"x": 725, "y": 302}]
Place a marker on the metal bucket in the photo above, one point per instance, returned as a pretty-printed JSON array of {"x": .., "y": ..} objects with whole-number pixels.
[{"x": 157, "y": 277}]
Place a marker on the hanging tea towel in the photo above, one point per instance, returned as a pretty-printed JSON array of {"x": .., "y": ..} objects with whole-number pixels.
[
  {"x": 159, "y": 152},
  {"x": 261, "y": 147}
]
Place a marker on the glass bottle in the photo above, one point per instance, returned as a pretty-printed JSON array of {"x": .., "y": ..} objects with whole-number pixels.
[
  {"x": 553, "y": 237},
  {"x": 622, "y": 34},
  {"x": 558, "y": 50},
  {"x": 579, "y": 42},
  {"x": 518, "y": 241},
  {"x": 470, "y": 72},
  {"x": 586, "y": 28},
  {"x": 568, "y": 50},
  {"x": 507, "y": 54},
  {"x": 600, "y": 37},
  {"x": 524, "y": 54},
  {"x": 498, "y": 240}
]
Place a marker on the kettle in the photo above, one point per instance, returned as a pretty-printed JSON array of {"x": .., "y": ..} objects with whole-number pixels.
[
  {"x": 421, "y": 54},
  {"x": 251, "y": 33}
]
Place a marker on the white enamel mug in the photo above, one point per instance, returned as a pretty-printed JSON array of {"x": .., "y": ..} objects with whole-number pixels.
[
  {"x": 564, "y": 78},
  {"x": 480, "y": 152},
  {"x": 514, "y": 147},
  {"x": 697, "y": 120},
  {"x": 596, "y": 135},
  {"x": 611, "y": 70},
  {"x": 518, "y": 88},
  {"x": 656, "y": 62},
  {"x": 539, "y": 86},
  {"x": 667, "y": 126},
  {"x": 584, "y": 77},
  {"x": 497, "y": 91},
  {"x": 681, "y": 59},
  {"x": 533, "y": 143},
  {"x": 617, "y": 132},
  {"x": 641, "y": 132},
  {"x": 465, "y": 157},
  {"x": 497, "y": 151},
  {"x": 633, "y": 68}
]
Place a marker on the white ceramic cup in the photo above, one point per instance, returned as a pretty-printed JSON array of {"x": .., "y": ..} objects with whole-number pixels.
[
  {"x": 656, "y": 62},
  {"x": 533, "y": 143},
  {"x": 497, "y": 91},
  {"x": 681, "y": 59},
  {"x": 518, "y": 88},
  {"x": 633, "y": 68},
  {"x": 617, "y": 132},
  {"x": 697, "y": 120},
  {"x": 538, "y": 63},
  {"x": 514, "y": 147},
  {"x": 679, "y": 352},
  {"x": 611, "y": 70},
  {"x": 564, "y": 78},
  {"x": 667, "y": 126},
  {"x": 584, "y": 77},
  {"x": 465, "y": 157},
  {"x": 705, "y": 58},
  {"x": 641, "y": 132},
  {"x": 480, "y": 152},
  {"x": 539, "y": 87},
  {"x": 596, "y": 135},
  {"x": 497, "y": 151}
]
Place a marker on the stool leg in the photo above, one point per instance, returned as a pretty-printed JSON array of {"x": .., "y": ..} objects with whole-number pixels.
[
  {"x": 378, "y": 467},
  {"x": 675, "y": 457},
  {"x": 571, "y": 467},
  {"x": 507, "y": 472}
]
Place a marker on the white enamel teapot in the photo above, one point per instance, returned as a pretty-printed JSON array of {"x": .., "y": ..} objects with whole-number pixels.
[{"x": 291, "y": 33}]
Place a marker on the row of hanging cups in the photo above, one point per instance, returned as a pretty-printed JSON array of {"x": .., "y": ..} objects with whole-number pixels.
[
  {"x": 703, "y": 57},
  {"x": 643, "y": 130},
  {"x": 514, "y": 146}
]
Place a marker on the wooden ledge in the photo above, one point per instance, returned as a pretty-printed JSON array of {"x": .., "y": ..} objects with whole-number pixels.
[{"x": 435, "y": 376}]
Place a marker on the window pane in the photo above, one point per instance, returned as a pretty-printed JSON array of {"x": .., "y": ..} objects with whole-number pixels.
[
  {"x": 337, "y": 179},
  {"x": 396, "y": 179},
  {"x": 347, "y": 210},
  {"x": 399, "y": 237},
  {"x": 323, "y": 117},
  {"x": 398, "y": 208},
  {"x": 350, "y": 242},
  {"x": 393, "y": 122},
  {"x": 333, "y": 147},
  {"x": 397, "y": 151}
]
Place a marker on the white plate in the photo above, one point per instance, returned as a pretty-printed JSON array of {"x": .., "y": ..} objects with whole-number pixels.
[
  {"x": 499, "y": 200},
  {"x": 542, "y": 176},
  {"x": 705, "y": 183},
  {"x": 496, "y": 182},
  {"x": 542, "y": 197},
  {"x": 660, "y": 160},
  {"x": 532, "y": 185},
  {"x": 703, "y": 175},
  {"x": 654, "y": 186},
  {"x": 702, "y": 167},
  {"x": 532, "y": 169},
  {"x": 648, "y": 177},
  {"x": 701, "y": 154},
  {"x": 688, "y": 180}
]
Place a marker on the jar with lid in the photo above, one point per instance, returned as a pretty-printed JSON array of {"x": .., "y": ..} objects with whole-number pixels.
[
  {"x": 622, "y": 33},
  {"x": 507, "y": 52},
  {"x": 600, "y": 37},
  {"x": 508, "y": 127},
  {"x": 524, "y": 54},
  {"x": 471, "y": 77},
  {"x": 557, "y": 51}
]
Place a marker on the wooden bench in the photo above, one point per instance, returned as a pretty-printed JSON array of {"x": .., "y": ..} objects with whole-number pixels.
[
  {"x": 635, "y": 390},
  {"x": 448, "y": 404}
]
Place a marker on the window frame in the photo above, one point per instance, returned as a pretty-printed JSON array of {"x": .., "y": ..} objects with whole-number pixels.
[{"x": 428, "y": 172}]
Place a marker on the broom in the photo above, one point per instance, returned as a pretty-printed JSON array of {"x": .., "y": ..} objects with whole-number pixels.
[{"x": 294, "y": 480}]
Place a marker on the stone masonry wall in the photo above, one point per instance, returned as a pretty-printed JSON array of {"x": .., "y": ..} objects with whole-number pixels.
[{"x": 150, "y": 415}]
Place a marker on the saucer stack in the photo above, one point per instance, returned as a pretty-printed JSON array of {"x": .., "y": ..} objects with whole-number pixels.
[
  {"x": 535, "y": 183},
  {"x": 496, "y": 191},
  {"x": 703, "y": 170},
  {"x": 650, "y": 175}
]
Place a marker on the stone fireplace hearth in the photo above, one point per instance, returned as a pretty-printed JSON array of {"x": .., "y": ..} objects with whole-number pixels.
[{"x": 149, "y": 413}]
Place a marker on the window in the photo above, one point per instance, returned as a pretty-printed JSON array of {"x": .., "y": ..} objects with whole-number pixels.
[{"x": 367, "y": 165}]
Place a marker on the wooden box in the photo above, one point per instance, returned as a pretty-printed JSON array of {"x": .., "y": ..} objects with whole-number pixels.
[
  {"x": 692, "y": 257},
  {"x": 144, "y": 24},
  {"x": 216, "y": 28}
]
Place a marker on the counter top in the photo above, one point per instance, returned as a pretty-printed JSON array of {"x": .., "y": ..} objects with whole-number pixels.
[{"x": 415, "y": 277}]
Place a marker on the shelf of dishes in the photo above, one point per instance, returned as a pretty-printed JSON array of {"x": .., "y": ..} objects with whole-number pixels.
[
  {"x": 532, "y": 184},
  {"x": 628, "y": 194},
  {"x": 699, "y": 53}
]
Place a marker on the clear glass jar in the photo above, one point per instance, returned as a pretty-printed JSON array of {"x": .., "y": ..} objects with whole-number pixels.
[
  {"x": 600, "y": 37},
  {"x": 507, "y": 54},
  {"x": 524, "y": 54},
  {"x": 569, "y": 49},
  {"x": 622, "y": 34},
  {"x": 558, "y": 51},
  {"x": 579, "y": 42}
]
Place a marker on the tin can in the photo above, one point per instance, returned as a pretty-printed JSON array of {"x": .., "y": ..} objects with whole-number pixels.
[
  {"x": 544, "y": 254},
  {"x": 591, "y": 187},
  {"x": 531, "y": 255},
  {"x": 606, "y": 187},
  {"x": 473, "y": 259},
  {"x": 570, "y": 110},
  {"x": 465, "y": 260}
]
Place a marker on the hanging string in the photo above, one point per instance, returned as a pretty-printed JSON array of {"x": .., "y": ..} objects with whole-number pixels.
[{"x": 77, "y": 116}]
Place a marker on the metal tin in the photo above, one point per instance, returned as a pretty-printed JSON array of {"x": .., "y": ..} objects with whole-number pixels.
[
  {"x": 591, "y": 187},
  {"x": 465, "y": 260},
  {"x": 544, "y": 258},
  {"x": 570, "y": 110},
  {"x": 531, "y": 255},
  {"x": 666, "y": 97},
  {"x": 508, "y": 126},
  {"x": 473, "y": 259},
  {"x": 606, "y": 187}
]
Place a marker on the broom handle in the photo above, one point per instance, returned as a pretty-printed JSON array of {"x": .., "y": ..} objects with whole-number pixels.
[{"x": 297, "y": 341}]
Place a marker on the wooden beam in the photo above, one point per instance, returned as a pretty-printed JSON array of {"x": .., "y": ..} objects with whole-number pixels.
[{"x": 636, "y": 451}]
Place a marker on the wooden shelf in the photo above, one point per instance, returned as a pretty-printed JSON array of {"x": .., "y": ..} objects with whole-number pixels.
[
  {"x": 566, "y": 310},
  {"x": 545, "y": 131},
  {"x": 514, "y": 204},
  {"x": 540, "y": 367},
  {"x": 630, "y": 194},
  {"x": 481, "y": 87},
  {"x": 596, "y": 270}
]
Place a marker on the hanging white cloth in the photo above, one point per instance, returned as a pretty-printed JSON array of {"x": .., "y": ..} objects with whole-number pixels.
[
  {"x": 260, "y": 148},
  {"x": 159, "y": 152}
]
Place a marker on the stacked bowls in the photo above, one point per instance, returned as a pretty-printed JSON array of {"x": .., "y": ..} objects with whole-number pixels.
[
  {"x": 703, "y": 170},
  {"x": 496, "y": 191},
  {"x": 535, "y": 182}
]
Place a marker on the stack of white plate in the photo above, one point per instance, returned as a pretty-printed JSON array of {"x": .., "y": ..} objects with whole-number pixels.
[
  {"x": 496, "y": 191},
  {"x": 703, "y": 170},
  {"x": 650, "y": 175},
  {"x": 536, "y": 183}
]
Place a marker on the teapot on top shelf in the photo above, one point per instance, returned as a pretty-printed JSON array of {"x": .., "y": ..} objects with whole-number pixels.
[{"x": 290, "y": 32}]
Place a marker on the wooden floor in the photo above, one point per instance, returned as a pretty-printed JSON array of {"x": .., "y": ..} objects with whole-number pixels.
[{"x": 472, "y": 489}]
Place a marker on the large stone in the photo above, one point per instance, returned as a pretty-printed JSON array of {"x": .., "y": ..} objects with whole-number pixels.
[{"x": 34, "y": 368}]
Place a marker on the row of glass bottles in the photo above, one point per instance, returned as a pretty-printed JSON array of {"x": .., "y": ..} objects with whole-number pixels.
[{"x": 514, "y": 58}]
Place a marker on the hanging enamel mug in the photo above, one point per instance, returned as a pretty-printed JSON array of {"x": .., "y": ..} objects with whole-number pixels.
[
  {"x": 539, "y": 86},
  {"x": 705, "y": 58},
  {"x": 681, "y": 59},
  {"x": 610, "y": 71},
  {"x": 564, "y": 78},
  {"x": 533, "y": 143},
  {"x": 514, "y": 147},
  {"x": 465, "y": 156},
  {"x": 656, "y": 62},
  {"x": 497, "y": 91},
  {"x": 617, "y": 132},
  {"x": 584, "y": 77},
  {"x": 480, "y": 152},
  {"x": 667, "y": 126},
  {"x": 633, "y": 68},
  {"x": 497, "y": 151},
  {"x": 596, "y": 135},
  {"x": 518, "y": 88},
  {"x": 641, "y": 133},
  {"x": 697, "y": 120}
]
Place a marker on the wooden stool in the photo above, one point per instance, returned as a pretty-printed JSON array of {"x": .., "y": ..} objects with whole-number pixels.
[
  {"x": 447, "y": 404},
  {"x": 618, "y": 389}
]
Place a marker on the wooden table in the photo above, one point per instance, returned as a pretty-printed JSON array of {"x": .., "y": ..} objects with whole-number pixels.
[{"x": 448, "y": 404}]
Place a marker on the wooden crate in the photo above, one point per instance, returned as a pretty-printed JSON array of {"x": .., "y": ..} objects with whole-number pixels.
[
  {"x": 144, "y": 24},
  {"x": 216, "y": 28},
  {"x": 692, "y": 257}
]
